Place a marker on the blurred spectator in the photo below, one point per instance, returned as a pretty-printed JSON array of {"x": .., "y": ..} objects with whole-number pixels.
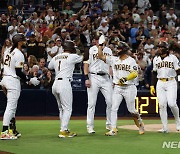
[
  {"x": 43, "y": 28},
  {"x": 95, "y": 11},
  {"x": 48, "y": 80},
  {"x": 148, "y": 46},
  {"x": 21, "y": 29},
  {"x": 64, "y": 35},
  {"x": 58, "y": 46},
  {"x": 171, "y": 17},
  {"x": 41, "y": 44},
  {"x": 12, "y": 29},
  {"x": 3, "y": 28},
  {"x": 133, "y": 34},
  {"x": 54, "y": 4},
  {"x": 142, "y": 5},
  {"x": 151, "y": 17},
  {"x": 107, "y": 5},
  {"x": 7, "y": 46},
  {"x": 34, "y": 75},
  {"x": 142, "y": 66},
  {"x": 32, "y": 46},
  {"x": 32, "y": 61},
  {"x": 68, "y": 2},
  {"x": 104, "y": 27},
  {"x": 147, "y": 74},
  {"x": 26, "y": 69},
  {"x": 30, "y": 30},
  {"x": 50, "y": 53},
  {"x": 68, "y": 10},
  {"x": 49, "y": 32},
  {"x": 42, "y": 68},
  {"x": 49, "y": 17}
]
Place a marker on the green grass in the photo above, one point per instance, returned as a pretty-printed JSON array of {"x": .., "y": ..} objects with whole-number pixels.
[{"x": 40, "y": 137}]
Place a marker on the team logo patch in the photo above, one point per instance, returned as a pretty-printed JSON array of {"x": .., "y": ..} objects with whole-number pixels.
[
  {"x": 21, "y": 63},
  {"x": 135, "y": 67}
]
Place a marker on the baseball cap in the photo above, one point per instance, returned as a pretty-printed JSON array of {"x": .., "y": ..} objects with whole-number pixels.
[
  {"x": 10, "y": 28},
  {"x": 104, "y": 21},
  {"x": 50, "y": 41},
  {"x": 58, "y": 39},
  {"x": 32, "y": 34},
  {"x": 22, "y": 26},
  {"x": 63, "y": 30}
]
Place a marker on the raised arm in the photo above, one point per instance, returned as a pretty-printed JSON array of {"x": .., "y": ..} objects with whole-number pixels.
[{"x": 100, "y": 53}]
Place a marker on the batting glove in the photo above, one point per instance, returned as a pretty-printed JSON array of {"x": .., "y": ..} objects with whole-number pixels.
[
  {"x": 152, "y": 90},
  {"x": 101, "y": 39},
  {"x": 122, "y": 81}
]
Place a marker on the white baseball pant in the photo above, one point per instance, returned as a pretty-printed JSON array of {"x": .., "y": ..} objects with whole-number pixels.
[
  {"x": 129, "y": 93},
  {"x": 13, "y": 87},
  {"x": 104, "y": 84},
  {"x": 62, "y": 91},
  {"x": 167, "y": 94}
]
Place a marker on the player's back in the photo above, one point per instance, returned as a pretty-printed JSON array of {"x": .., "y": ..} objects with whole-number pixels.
[
  {"x": 64, "y": 64},
  {"x": 11, "y": 61}
]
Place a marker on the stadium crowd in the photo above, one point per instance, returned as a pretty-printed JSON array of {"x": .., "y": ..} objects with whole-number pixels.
[{"x": 135, "y": 22}]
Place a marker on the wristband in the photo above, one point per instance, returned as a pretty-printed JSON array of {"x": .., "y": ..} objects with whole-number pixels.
[{"x": 86, "y": 77}]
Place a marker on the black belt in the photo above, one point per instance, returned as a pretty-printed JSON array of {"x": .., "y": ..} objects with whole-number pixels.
[
  {"x": 63, "y": 79},
  {"x": 13, "y": 76},
  {"x": 166, "y": 79},
  {"x": 101, "y": 74}
]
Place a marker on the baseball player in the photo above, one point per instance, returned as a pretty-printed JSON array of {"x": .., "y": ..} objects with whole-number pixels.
[
  {"x": 124, "y": 72},
  {"x": 97, "y": 78},
  {"x": 64, "y": 64},
  {"x": 13, "y": 64},
  {"x": 165, "y": 67}
]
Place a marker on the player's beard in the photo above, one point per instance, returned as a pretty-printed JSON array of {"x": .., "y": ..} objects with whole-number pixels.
[{"x": 23, "y": 46}]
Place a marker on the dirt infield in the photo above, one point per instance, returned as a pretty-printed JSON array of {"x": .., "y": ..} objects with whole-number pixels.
[{"x": 150, "y": 127}]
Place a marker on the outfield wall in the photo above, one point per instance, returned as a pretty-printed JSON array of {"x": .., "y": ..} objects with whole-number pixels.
[{"x": 43, "y": 103}]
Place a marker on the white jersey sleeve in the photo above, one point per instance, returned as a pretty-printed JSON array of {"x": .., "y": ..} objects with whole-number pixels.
[
  {"x": 19, "y": 60},
  {"x": 154, "y": 64},
  {"x": 133, "y": 66},
  {"x": 176, "y": 63},
  {"x": 109, "y": 60},
  {"x": 75, "y": 58},
  {"x": 51, "y": 64}
]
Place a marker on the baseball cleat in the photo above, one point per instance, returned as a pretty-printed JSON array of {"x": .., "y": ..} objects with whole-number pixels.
[
  {"x": 162, "y": 131},
  {"x": 15, "y": 132},
  {"x": 112, "y": 132},
  {"x": 91, "y": 130},
  {"x": 66, "y": 133},
  {"x": 141, "y": 128},
  {"x": 108, "y": 127},
  {"x": 178, "y": 126},
  {"x": 8, "y": 136}
]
